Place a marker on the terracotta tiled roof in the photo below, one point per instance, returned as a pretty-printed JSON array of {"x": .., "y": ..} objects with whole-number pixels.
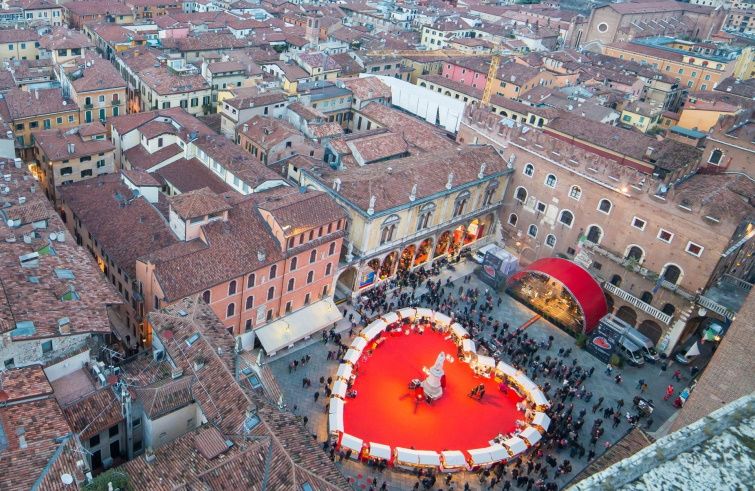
[
  {"x": 325, "y": 130},
  {"x": 23, "y": 383},
  {"x": 197, "y": 203},
  {"x": 237, "y": 161},
  {"x": 367, "y": 88},
  {"x": 417, "y": 133},
  {"x": 298, "y": 212},
  {"x": 94, "y": 413},
  {"x": 23, "y": 104},
  {"x": 267, "y": 132},
  {"x": 140, "y": 177},
  {"x": 164, "y": 82},
  {"x": 163, "y": 398},
  {"x": 98, "y": 8},
  {"x": 139, "y": 156},
  {"x": 54, "y": 144},
  {"x": 189, "y": 175},
  {"x": 156, "y": 128},
  {"x": 62, "y": 37},
  {"x": 97, "y": 74},
  {"x": 378, "y": 147},
  {"x": 18, "y": 35}
]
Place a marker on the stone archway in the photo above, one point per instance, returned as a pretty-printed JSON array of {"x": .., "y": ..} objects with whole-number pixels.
[
  {"x": 407, "y": 258},
  {"x": 346, "y": 282},
  {"x": 457, "y": 240},
  {"x": 388, "y": 265},
  {"x": 627, "y": 314},
  {"x": 424, "y": 251},
  {"x": 443, "y": 241},
  {"x": 651, "y": 329}
]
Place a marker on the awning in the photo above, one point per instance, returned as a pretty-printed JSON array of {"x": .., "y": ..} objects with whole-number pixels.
[
  {"x": 453, "y": 458},
  {"x": 335, "y": 422},
  {"x": 344, "y": 371},
  {"x": 531, "y": 435},
  {"x": 407, "y": 313},
  {"x": 351, "y": 442},
  {"x": 442, "y": 319},
  {"x": 459, "y": 331},
  {"x": 298, "y": 325},
  {"x": 406, "y": 456},
  {"x": 486, "y": 361},
  {"x": 480, "y": 456},
  {"x": 539, "y": 398},
  {"x": 339, "y": 388},
  {"x": 468, "y": 346},
  {"x": 428, "y": 457},
  {"x": 542, "y": 420},
  {"x": 352, "y": 356},
  {"x": 506, "y": 369},
  {"x": 525, "y": 383},
  {"x": 390, "y": 317},
  {"x": 373, "y": 330},
  {"x": 426, "y": 313},
  {"x": 380, "y": 451},
  {"x": 358, "y": 344},
  {"x": 498, "y": 453},
  {"x": 515, "y": 445}
]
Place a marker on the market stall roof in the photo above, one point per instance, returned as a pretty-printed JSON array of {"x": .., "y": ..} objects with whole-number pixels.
[
  {"x": 426, "y": 313},
  {"x": 359, "y": 343},
  {"x": 336, "y": 406},
  {"x": 453, "y": 458},
  {"x": 428, "y": 457},
  {"x": 443, "y": 319},
  {"x": 458, "y": 330},
  {"x": 531, "y": 435},
  {"x": 376, "y": 327},
  {"x": 506, "y": 369},
  {"x": 298, "y": 325},
  {"x": 352, "y": 356},
  {"x": 339, "y": 388},
  {"x": 515, "y": 445},
  {"x": 390, "y": 317},
  {"x": 539, "y": 398},
  {"x": 335, "y": 418},
  {"x": 380, "y": 451},
  {"x": 581, "y": 285},
  {"x": 406, "y": 456},
  {"x": 498, "y": 452},
  {"x": 468, "y": 346},
  {"x": 352, "y": 442},
  {"x": 344, "y": 371},
  {"x": 486, "y": 361},
  {"x": 542, "y": 420},
  {"x": 407, "y": 312},
  {"x": 481, "y": 456}
]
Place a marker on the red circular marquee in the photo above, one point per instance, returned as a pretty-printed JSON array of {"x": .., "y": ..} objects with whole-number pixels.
[{"x": 581, "y": 284}]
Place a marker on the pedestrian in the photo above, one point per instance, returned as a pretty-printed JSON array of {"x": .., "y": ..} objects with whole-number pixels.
[
  {"x": 590, "y": 455},
  {"x": 609, "y": 369},
  {"x": 317, "y": 395},
  {"x": 648, "y": 423},
  {"x": 664, "y": 367},
  {"x": 617, "y": 379},
  {"x": 644, "y": 388},
  {"x": 590, "y": 371},
  {"x": 640, "y": 383},
  {"x": 669, "y": 392},
  {"x": 694, "y": 371},
  {"x": 677, "y": 375}
]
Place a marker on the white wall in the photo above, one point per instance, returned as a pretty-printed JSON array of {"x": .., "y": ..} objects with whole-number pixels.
[
  {"x": 67, "y": 366},
  {"x": 171, "y": 426}
]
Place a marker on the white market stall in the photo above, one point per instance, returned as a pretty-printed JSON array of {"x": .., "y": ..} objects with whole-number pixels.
[
  {"x": 453, "y": 459},
  {"x": 373, "y": 330},
  {"x": 506, "y": 369},
  {"x": 515, "y": 445},
  {"x": 530, "y": 435},
  {"x": 459, "y": 331},
  {"x": 359, "y": 344},
  {"x": 379, "y": 451},
  {"x": 344, "y": 371},
  {"x": 498, "y": 453},
  {"x": 406, "y": 457},
  {"x": 539, "y": 398},
  {"x": 542, "y": 420},
  {"x": 480, "y": 456},
  {"x": 424, "y": 313},
  {"x": 468, "y": 346},
  {"x": 352, "y": 443},
  {"x": 407, "y": 313},
  {"x": 428, "y": 458},
  {"x": 442, "y": 319},
  {"x": 485, "y": 362},
  {"x": 335, "y": 415},
  {"x": 339, "y": 388},
  {"x": 352, "y": 356},
  {"x": 390, "y": 317}
]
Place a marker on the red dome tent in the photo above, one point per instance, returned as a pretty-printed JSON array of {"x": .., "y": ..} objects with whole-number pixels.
[{"x": 580, "y": 284}]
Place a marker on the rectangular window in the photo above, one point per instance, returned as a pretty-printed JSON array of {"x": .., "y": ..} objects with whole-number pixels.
[
  {"x": 638, "y": 223},
  {"x": 113, "y": 431},
  {"x": 665, "y": 236},
  {"x": 46, "y": 347},
  {"x": 541, "y": 207},
  {"x": 694, "y": 249},
  {"x": 94, "y": 441}
]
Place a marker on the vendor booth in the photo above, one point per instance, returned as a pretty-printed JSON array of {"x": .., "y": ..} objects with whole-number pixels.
[
  {"x": 350, "y": 442},
  {"x": 453, "y": 460},
  {"x": 515, "y": 446},
  {"x": 428, "y": 458},
  {"x": 407, "y": 313},
  {"x": 468, "y": 346},
  {"x": 459, "y": 331},
  {"x": 379, "y": 451},
  {"x": 359, "y": 343},
  {"x": 390, "y": 317},
  {"x": 352, "y": 356},
  {"x": 373, "y": 330},
  {"x": 426, "y": 314},
  {"x": 480, "y": 457},
  {"x": 406, "y": 457},
  {"x": 442, "y": 319},
  {"x": 506, "y": 369},
  {"x": 530, "y": 435},
  {"x": 542, "y": 421},
  {"x": 344, "y": 371},
  {"x": 339, "y": 388}
]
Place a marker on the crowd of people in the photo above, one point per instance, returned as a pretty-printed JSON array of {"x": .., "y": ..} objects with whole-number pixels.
[{"x": 573, "y": 433}]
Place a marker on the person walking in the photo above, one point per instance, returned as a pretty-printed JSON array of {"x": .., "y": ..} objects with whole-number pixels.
[
  {"x": 609, "y": 369},
  {"x": 640, "y": 383},
  {"x": 669, "y": 392},
  {"x": 677, "y": 375}
]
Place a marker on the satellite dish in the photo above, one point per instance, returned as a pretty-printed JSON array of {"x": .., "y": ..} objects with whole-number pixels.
[{"x": 67, "y": 479}]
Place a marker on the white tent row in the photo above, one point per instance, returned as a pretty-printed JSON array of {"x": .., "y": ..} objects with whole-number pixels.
[
  {"x": 542, "y": 420},
  {"x": 359, "y": 344},
  {"x": 506, "y": 369},
  {"x": 339, "y": 388},
  {"x": 352, "y": 356},
  {"x": 344, "y": 371},
  {"x": 407, "y": 313},
  {"x": 531, "y": 435},
  {"x": 428, "y": 457},
  {"x": 373, "y": 330},
  {"x": 406, "y": 456},
  {"x": 390, "y": 317},
  {"x": 539, "y": 398},
  {"x": 380, "y": 451},
  {"x": 335, "y": 416},
  {"x": 442, "y": 319},
  {"x": 498, "y": 453},
  {"x": 468, "y": 346},
  {"x": 428, "y": 314},
  {"x": 525, "y": 383},
  {"x": 459, "y": 331},
  {"x": 515, "y": 445},
  {"x": 481, "y": 456},
  {"x": 453, "y": 459},
  {"x": 485, "y": 361},
  {"x": 351, "y": 442}
]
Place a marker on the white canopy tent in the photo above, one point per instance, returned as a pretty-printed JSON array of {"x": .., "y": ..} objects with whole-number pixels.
[
  {"x": 335, "y": 422},
  {"x": 481, "y": 456},
  {"x": 498, "y": 453},
  {"x": 373, "y": 330},
  {"x": 344, "y": 371},
  {"x": 428, "y": 314},
  {"x": 468, "y": 346},
  {"x": 531, "y": 435},
  {"x": 390, "y": 317},
  {"x": 486, "y": 361},
  {"x": 298, "y": 325},
  {"x": 351, "y": 442},
  {"x": 443, "y": 319},
  {"x": 525, "y": 383},
  {"x": 406, "y": 456},
  {"x": 539, "y": 398},
  {"x": 429, "y": 458},
  {"x": 506, "y": 369},
  {"x": 339, "y": 388},
  {"x": 542, "y": 420},
  {"x": 380, "y": 451},
  {"x": 352, "y": 356},
  {"x": 453, "y": 458},
  {"x": 459, "y": 331},
  {"x": 407, "y": 312},
  {"x": 515, "y": 445},
  {"x": 359, "y": 344}
]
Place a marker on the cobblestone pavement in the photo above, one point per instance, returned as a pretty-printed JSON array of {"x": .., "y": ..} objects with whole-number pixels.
[{"x": 302, "y": 401}]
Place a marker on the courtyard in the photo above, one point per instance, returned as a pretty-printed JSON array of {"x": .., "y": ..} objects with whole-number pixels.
[{"x": 312, "y": 409}]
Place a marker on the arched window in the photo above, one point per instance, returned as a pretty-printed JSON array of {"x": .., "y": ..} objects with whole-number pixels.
[
  {"x": 529, "y": 170},
  {"x": 668, "y": 309},
  {"x": 270, "y": 293},
  {"x": 249, "y": 302},
  {"x": 566, "y": 217},
  {"x": 310, "y": 277},
  {"x": 425, "y": 213},
  {"x": 313, "y": 256},
  {"x": 532, "y": 231},
  {"x": 715, "y": 157},
  {"x": 550, "y": 240},
  {"x": 294, "y": 260},
  {"x": 230, "y": 310},
  {"x": 647, "y": 297},
  {"x": 206, "y": 296},
  {"x": 250, "y": 280},
  {"x": 635, "y": 252},
  {"x": 488, "y": 197},
  {"x": 328, "y": 269},
  {"x": 291, "y": 285},
  {"x": 551, "y": 180},
  {"x": 513, "y": 219},
  {"x": 575, "y": 192},
  {"x": 461, "y": 203},
  {"x": 232, "y": 287},
  {"x": 521, "y": 194},
  {"x": 332, "y": 249},
  {"x": 605, "y": 206},
  {"x": 672, "y": 273},
  {"x": 616, "y": 280},
  {"x": 386, "y": 233},
  {"x": 594, "y": 234},
  {"x": 273, "y": 271}
]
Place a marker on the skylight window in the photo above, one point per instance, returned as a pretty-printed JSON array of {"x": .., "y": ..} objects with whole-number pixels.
[
  {"x": 64, "y": 274},
  {"x": 23, "y": 328},
  {"x": 193, "y": 339}
]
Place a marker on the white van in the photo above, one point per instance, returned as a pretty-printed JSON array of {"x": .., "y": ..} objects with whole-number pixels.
[{"x": 479, "y": 254}]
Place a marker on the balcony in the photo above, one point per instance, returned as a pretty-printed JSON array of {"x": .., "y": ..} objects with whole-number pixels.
[
  {"x": 631, "y": 299},
  {"x": 88, "y": 106}
]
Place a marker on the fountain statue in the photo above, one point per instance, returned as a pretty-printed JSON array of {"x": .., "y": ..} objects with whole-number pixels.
[{"x": 432, "y": 385}]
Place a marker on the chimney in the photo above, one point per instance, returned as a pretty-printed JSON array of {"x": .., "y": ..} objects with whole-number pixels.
[
  {"x": 245, "y": 128},
  {"x": 36, "y": 94},
  {"x": 71, "y": 148}
]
